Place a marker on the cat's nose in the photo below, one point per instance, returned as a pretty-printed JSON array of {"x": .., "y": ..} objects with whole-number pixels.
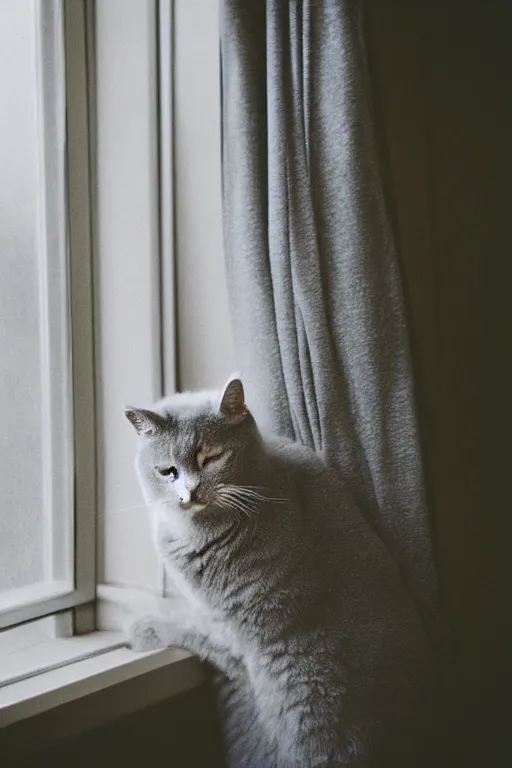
[{"x": 189, "y": 495}]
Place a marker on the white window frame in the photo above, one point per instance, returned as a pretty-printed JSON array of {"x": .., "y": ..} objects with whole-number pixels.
[{"x": 97, "y": 246}]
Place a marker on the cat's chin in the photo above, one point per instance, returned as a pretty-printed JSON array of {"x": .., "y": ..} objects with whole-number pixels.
[{"x": 192, "y": 507}]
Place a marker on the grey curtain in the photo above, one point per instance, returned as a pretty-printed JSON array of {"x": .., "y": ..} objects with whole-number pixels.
[{"x": 313, "y": 277}]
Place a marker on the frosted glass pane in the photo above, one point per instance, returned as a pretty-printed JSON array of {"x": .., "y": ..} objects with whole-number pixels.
[{"x": 35, "y": 482}]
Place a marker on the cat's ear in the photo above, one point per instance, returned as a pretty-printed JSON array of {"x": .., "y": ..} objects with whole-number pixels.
[
  {"x": 232, "y": 402},
  {"x": 146, "y": 423}
]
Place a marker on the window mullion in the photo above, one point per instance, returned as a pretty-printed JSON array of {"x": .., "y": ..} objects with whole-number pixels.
[{"x": 78, "y": 29}]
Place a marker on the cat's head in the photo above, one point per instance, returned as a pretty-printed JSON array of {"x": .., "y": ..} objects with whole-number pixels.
[{"x": 193, "y": 446}]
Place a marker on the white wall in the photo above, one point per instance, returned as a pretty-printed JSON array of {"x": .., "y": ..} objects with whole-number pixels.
[
  {"x": 128, "y": 332},
  {"x": 128, "y": 338},
  {"x": 206, "y": 356}
]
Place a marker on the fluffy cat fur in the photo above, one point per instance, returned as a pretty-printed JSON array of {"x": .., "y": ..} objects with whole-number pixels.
[{"x": 281, "y": 585}]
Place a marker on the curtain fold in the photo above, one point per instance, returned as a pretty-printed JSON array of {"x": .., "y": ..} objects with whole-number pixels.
[{"x": 313, "y": 276}]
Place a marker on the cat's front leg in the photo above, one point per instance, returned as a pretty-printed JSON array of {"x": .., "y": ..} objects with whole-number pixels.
[{"x": 151, "y": 633}]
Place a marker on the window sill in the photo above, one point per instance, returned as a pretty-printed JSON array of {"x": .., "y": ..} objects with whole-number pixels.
[{"x": 110, "y": 666}]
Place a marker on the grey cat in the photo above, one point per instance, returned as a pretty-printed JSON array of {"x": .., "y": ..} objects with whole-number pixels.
[{"x": 280, "y": 584}]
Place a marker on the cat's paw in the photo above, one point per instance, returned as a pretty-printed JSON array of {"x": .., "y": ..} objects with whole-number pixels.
[{"x": 146, "y": 634}]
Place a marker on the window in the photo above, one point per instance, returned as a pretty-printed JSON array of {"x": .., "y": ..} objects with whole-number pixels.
[
  {"x": 90, "y": 218},
  {"x": 85, "y": 269},
  {"x": 46, "y": 452}
]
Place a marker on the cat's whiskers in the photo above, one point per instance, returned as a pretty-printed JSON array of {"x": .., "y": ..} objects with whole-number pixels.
[
  {"x": 230, "y": 506},
  {"x": 235, "y": 503},
  {"x": 241, "y": 498},
  {"x": 228, "y": 496},
  {"x": 233, "y": 492},
  {"x": 248, "y": 493}
]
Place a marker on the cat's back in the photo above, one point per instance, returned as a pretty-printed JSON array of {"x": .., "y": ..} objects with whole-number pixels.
[
  {"x": 292, "y": 462},
  {"x": 327, "y": 507},
  {"x": 357, "y": 570}
]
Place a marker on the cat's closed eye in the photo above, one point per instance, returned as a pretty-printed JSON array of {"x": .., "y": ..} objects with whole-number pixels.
[
  {"x": 204, "y": 456},
  {"x": 168, "y": 472}
]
